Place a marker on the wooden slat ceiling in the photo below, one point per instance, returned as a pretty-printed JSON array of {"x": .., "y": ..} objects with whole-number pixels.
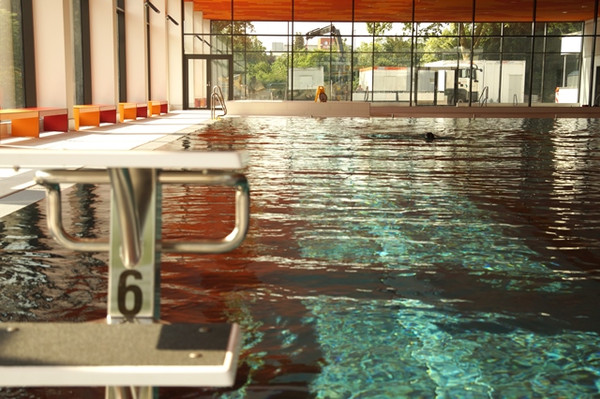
[{"x": 397, "y": 10}]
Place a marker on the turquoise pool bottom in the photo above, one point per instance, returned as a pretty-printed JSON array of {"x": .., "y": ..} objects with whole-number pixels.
[
  {"x": 408, "y": 348},
  {"x": 420, "y": 275}
]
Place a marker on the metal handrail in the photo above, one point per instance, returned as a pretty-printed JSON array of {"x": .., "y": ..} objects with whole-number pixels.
[
  {"x": 483, "y": 98},
  {"x": 51, "y": 180},
  {"x": 129, "y": 217},
  {"x": 217, "y": 95}
]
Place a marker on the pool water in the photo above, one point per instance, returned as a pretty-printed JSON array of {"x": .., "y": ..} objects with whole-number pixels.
[{"x": 378, "y": 264}]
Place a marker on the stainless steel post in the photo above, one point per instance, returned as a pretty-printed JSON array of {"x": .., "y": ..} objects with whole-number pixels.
[{"x": 134, "y": 269}]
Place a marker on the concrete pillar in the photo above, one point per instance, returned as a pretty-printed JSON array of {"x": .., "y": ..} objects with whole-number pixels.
[
  {"x": 158, "y": 51},
  {"x": 53, "y": 53},
  {"x": 104, "y": 51},
  {"x": 135, "y": 37},
  {"x": 174, "y": 56}
]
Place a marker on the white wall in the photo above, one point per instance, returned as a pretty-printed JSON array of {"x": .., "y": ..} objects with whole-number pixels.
[
  {"x": 300, "y": 108},
  {"x": 135, "y": 39},
  {"x": 104, "y": 51},
  {"x": 53, "y": 53},
  {"x": 158, "y": 51},
  {"x": 174, "y": 59}
]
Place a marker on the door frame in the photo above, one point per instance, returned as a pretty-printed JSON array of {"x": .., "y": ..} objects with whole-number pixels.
[{"x": 209, "y": 58}]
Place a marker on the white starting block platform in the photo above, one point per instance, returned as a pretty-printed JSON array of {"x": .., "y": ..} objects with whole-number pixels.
[
  {"x": 128, "y": 354},
  {"x": 133, "y": 348},
  {"x": 57, "y": 159}
]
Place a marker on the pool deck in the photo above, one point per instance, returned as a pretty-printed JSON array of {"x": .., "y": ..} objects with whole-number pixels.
[{"x": 17, "y": 188}]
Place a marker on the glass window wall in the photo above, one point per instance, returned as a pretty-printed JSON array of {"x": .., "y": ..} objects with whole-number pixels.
[
  {"x": 453, "y": 63},
  {"x": 12, "y": 91},
  {"x": 471, "y": 60}
]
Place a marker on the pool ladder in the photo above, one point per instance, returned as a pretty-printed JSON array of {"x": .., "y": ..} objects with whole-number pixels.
[
  {"x": 483, "y": 98},
  {"x": 217, "y": 96}
]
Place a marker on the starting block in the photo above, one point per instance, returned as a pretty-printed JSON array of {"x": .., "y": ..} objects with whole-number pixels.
[
  {"x": 127, "y": 354},
  {"x": 133, "y": 348}
]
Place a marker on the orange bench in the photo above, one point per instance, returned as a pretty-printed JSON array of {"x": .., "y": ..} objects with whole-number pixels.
[
  {"x": 25, "y": 122},
  {"x": 127, "y": 111},
  {"x": 93, "y": 115},
  {"x": 157, "y": 107}
]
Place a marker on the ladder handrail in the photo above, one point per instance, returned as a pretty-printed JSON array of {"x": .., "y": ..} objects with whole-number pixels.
[
  {"x": 130, "y": 217},
  {"x": 217, "y": 95},
  {"x": 483, "y": 98}
]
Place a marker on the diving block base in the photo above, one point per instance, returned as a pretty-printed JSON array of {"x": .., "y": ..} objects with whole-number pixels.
[{"x": 98, "y": 354}]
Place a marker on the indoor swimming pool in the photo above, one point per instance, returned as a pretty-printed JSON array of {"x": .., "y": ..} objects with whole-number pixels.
[{"x": 378, "y": 263}]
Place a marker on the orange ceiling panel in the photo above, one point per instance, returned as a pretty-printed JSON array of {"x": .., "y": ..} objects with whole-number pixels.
[
  {"x": 443, "y": 10},
  {"x": 397, "y": 10},
  {"x": 504, "y": 11},
  {"x": 245, "y": 10},
  {"x": 312, "y": 10},
  {"x": 383, "y": 10},
  {"x": 567, "y": 10},
  {"x": 214, "y": 9}
]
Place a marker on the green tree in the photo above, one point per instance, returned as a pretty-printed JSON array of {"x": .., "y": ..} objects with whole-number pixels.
[
  {"x": 392, "y": 51},
  {"x": 307, "y": 59},
  {"x": 241, "y": 34},
  {"x": 378, "y": 28},
  {"x": 251, "y": 59},
  {"x": 455, "y": 38}
]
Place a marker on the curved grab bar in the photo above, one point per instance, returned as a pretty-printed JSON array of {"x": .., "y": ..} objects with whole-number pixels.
[
  {"x": 56, "y": 227},
  {"x": 483, "y": 98},
  {"x": 128, "y": 215},
  {"x": 222, "y": 99},
  {"x": 226, "y": 244},
  {"x": 242, "y": 211},
  {"x": 217, "y": 95},
  {"x": 50, "y": 179}
]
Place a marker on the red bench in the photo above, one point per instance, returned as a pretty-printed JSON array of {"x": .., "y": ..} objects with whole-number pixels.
[
  {"x": 25, "y": 122},
  {"x": 142, "y": 110},
  {"x": 93, "y": 115}
]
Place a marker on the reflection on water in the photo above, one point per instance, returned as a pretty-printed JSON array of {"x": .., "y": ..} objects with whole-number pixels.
[
  {"x": 39, "y": 280},
  {"x": 378, "y": 264}
]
